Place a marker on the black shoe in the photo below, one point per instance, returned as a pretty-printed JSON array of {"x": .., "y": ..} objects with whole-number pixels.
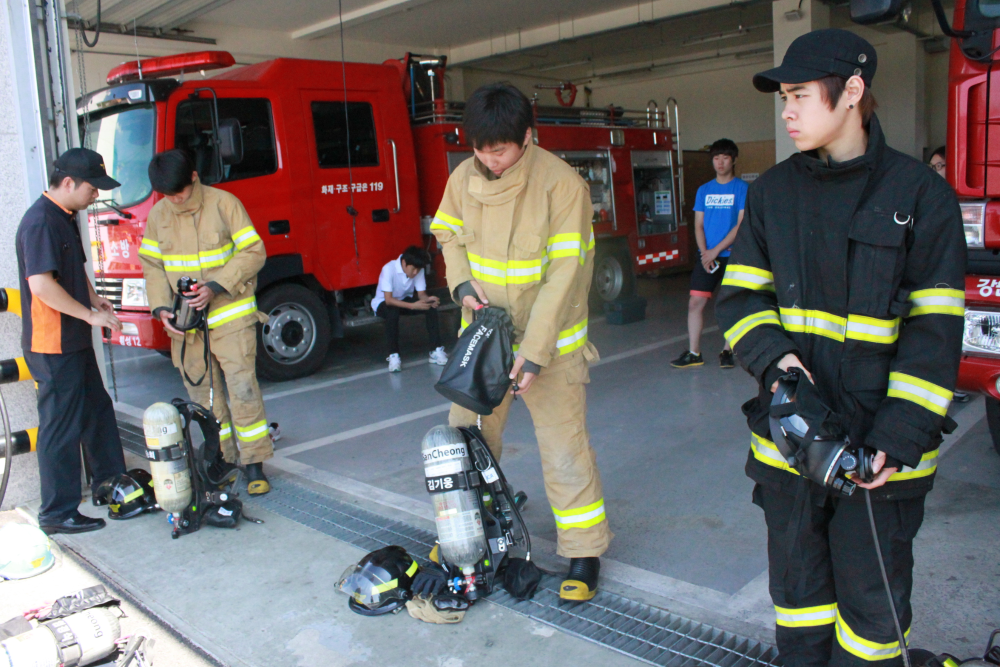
[
  {"x": 581, "y": 581},
  {"x": 726, "y": 359},
  {"x": 77, "y": 523},
  {"x": 257, "y": 484},
  {"x": 961, "y": 397},
  {"x": 219, "y": 471},
  {"x": 688, "y": 359}
]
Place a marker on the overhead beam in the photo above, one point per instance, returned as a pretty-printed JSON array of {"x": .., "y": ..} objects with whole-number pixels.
[
  {"x": 356, "y": 17},
  {"x": 574, "y": 27}
]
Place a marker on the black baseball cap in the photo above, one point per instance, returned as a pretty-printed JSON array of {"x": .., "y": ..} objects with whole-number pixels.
[
  {"x": 88, "y": 165},
  {"x": 821, "y": 53}
]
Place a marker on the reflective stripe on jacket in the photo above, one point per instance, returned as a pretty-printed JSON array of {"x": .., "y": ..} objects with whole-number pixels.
[
  {"x": 858, "y": 268},
  {"x": 526, "y": 237},
  {"x": 210, "y": 238}
]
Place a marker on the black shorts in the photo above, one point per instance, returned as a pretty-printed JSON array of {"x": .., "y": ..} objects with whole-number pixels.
[{"x": 704, "y": 283}]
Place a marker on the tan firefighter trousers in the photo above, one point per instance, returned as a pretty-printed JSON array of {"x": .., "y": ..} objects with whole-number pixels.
[
  {"x": 557, "y": 402},
  {"x": 233, "y": 354}
]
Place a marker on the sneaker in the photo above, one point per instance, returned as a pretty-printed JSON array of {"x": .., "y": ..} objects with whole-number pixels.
[
  {"x": 726, "y": 359},
  {"x": 275, "y": 431},
  {"x": 439, "y": 357},
  {"x": 688, "y": 359},
  {"x": 395, "y": 363}
]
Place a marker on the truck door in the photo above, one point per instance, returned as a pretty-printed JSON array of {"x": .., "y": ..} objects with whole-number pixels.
[{"x": 351, "y": 167}]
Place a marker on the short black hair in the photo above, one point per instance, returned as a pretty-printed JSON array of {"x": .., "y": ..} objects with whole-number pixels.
[
  {"x": 416, "y": 256},
  {"x": 497, "y": 113},
  {"x": 58, "y": 176},
  {"x": 724, "y": 147},
  {"x": 170, "y": 171},
  {"x": 940, "y": 150}
]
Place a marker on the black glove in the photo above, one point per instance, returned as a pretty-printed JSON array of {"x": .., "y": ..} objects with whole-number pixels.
[{"x": 430, "y": 581}]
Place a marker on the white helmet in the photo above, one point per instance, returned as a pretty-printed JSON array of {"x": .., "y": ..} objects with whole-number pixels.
[{"x": 24, "y": 551}]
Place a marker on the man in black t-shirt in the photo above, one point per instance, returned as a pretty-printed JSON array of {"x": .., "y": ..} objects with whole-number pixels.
[{"x": 58, "y": 302}]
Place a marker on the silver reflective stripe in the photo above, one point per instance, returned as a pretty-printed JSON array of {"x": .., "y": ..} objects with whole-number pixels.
[
  {"x": 814, "y": 322},
  {"x": 923, "y": 393},
  {"x": 938, "y": 301},
  {"x": 749, "y": 277},
  {"x": 871, "y": 329},
  {"x": 572, "y": 338},
  {"x": 807, "y": 617},
  {"x": 444, "y": 223},
  {"x": 864, "y": 648}
]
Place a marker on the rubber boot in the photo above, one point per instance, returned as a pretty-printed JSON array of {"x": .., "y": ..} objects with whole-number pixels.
[
  {"x": 581, "y": 582},
  {"x": 435, "y": 555},
  {"x": 257, "y": 484},
  {"x": 219, "y": 470}
]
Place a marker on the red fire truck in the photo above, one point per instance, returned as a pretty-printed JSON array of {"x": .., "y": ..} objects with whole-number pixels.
[
  {"x": 341, "y": 166},
  {"x": 973, "y": 169}
]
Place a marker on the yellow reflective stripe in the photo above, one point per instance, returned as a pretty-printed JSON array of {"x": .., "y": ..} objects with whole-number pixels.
[
  {"x": 749, "y": 277},
  {"x": 181, "y": 262},
  {"x": 444, "y": 221},
  {"x": 581, "y": 517},
  {"x": 816, "y": 322},
  {"x": 926, "y": 467},
  {"x": 866, "y": 649},
  {"x": 807, "y": 617},
  {"x": 463, "y": 327},
  {"x": 232, "y": 311},
  {"x": 254, "y": 431},
  {"x": 767, "y": 452},
  {"x": 590, "y": 245},
  {"x": 150, "y": 249},
  {"x": 937, "y": 302},
  {"x": 387, "y": 586},
  {"x": 923, "y": 393},
  {"x": 245, "y": 237},
  {"x": 572, "y": 338},
  {"x": 216, "y": 257},
  {"x": 742, "y": 327},
  {"x": 501, "y": 273},
  {"x": 135, "y": 494},
  {"x": 872, "y": 330},
  {"x": 412, "y": 570},
  {"x": 225, "y": 431},
  {"x": 566, "y": 245}
]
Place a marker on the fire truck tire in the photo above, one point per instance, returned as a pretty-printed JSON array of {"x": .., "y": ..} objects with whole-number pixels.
[
  {"x": 993, "y": 420},
  {"x": 613, "y": 276},
  {"x": 293, "y": 342}
]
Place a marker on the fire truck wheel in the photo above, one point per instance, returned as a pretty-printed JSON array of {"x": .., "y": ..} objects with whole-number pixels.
[
  {"x": 993, "y": 420},
  {"x": 613, "y": 277},
  {"x": 293, "y": 342}
]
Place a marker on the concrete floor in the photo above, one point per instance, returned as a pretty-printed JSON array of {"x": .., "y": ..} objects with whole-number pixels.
[{"x": 671, "y": 446}]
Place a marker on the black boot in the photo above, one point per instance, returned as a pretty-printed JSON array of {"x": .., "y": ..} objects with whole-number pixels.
[
  {"x": 581, "y": 582},
  {"x": 257, "y": 484},
  {"x": 219, "y": 469}
]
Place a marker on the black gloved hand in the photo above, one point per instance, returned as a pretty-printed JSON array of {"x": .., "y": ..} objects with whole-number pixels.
[{"x": 430, "y": 581}]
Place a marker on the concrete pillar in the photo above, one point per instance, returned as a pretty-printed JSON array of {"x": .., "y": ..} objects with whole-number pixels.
[
  {"x": 792, "y": 18},
  {"x": 899, "y": 89}
]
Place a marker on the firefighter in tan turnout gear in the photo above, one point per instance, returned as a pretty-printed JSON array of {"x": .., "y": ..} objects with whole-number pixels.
[
  {"x": 515, "y": 228},
  {"x": 206, "y": 234}
]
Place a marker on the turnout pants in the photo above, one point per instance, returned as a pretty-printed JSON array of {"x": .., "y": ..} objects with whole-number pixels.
[
  {"x": 825, "y": 580},
  {"x": 244, "y": 429},
  {"x": 391, "y": 315},
  {"x": 558, "y": 405},
  {"x": 73, "y": 408}
]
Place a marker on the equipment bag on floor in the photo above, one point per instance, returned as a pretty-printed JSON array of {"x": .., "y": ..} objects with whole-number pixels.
[{"x": 477, "y": 375}]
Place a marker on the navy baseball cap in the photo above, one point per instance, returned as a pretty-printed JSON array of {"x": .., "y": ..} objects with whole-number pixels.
[
  {"x": 821, "y": 53},
  {"x": 88, "y": 165}
]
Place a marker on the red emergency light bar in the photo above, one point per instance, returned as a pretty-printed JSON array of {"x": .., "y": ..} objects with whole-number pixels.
[{"x": 156, "y": 68}]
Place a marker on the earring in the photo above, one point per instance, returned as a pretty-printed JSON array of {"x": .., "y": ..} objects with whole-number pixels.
[{"x": 850, "y": 106}]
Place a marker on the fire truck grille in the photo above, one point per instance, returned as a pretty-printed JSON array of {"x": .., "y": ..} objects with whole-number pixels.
[{"x": 110, "y": 289}]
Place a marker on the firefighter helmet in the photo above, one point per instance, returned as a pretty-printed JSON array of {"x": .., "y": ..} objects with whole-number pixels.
[
  {"x": 380, "y": 582},
  {"x": 131, "y": 494}
]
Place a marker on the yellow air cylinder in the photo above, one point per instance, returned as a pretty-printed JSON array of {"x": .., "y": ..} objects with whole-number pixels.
[{"x": 166, "y": 451}]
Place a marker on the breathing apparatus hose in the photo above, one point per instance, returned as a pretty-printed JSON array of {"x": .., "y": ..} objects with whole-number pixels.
[
  {"x": 885, "y": 580},
  {"x": 202, "y": 327}
]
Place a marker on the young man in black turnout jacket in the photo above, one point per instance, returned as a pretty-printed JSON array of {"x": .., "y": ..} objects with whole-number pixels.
[{"x": 850, "y": 265}]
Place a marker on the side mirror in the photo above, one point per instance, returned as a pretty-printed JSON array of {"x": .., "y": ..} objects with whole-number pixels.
[
  {"x": 867, "y": 12},
  {"x": 230, "y": 141}
]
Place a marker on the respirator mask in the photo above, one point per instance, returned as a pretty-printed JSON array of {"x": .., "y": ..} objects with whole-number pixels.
[{"x": 809, "y": 436}]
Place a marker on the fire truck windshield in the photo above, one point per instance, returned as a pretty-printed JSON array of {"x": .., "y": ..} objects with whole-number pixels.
[
  {"x": 126, "y": 140},
  {"x": 989, "y": 8}
]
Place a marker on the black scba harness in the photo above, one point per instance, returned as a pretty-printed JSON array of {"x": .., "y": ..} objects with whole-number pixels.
[
  {"x": 214, "y": 501},
  {"x": 502, "y": 524}
]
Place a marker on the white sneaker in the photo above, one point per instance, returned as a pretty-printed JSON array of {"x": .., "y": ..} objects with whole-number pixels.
[
  {"x": 439, "y": 357},
  {"x": 395, "y": 363},
  {"x": 275, "y": 431}
]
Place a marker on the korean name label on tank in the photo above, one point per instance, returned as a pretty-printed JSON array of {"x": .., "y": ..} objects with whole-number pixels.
[
  {"x": 441, "y": 484},
  {"x": 490, "y": 475}
]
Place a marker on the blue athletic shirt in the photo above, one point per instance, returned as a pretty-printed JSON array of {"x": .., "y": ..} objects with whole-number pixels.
[{"x": 721, "y": 205}]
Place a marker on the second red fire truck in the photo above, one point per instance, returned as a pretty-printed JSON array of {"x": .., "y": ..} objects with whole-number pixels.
[{"x": 341, "y": 166}]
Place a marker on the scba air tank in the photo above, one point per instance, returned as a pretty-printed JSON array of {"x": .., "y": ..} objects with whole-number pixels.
[
  {"x": 165, "y": 445},
  {"x": 456, "y": 513},
  {"x": 80, "y": 639}
]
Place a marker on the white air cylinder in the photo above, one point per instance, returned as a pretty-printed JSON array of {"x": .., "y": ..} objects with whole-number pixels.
[
  {"x": 171, "y": 478},
  {"x": 87, "y": 637}
]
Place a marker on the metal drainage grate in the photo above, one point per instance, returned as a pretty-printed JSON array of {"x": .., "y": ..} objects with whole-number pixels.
[{"x": 638, "y": 630}]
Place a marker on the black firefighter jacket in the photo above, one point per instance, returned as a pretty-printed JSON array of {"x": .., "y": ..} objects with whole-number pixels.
[{"x": 858, "y": 268}]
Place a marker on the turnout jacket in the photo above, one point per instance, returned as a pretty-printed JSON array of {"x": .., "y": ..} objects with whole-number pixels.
[
  {"x": 526, "y": 237},
  {"x": 859, "y": 269},
  {"x": 211, "y": 238}
]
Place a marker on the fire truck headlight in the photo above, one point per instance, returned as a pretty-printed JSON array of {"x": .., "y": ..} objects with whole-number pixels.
[
  {"x": 982, "y": 333},
  {"x": 973, "y": 220},
  {"x": 134, "y": 292}
]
